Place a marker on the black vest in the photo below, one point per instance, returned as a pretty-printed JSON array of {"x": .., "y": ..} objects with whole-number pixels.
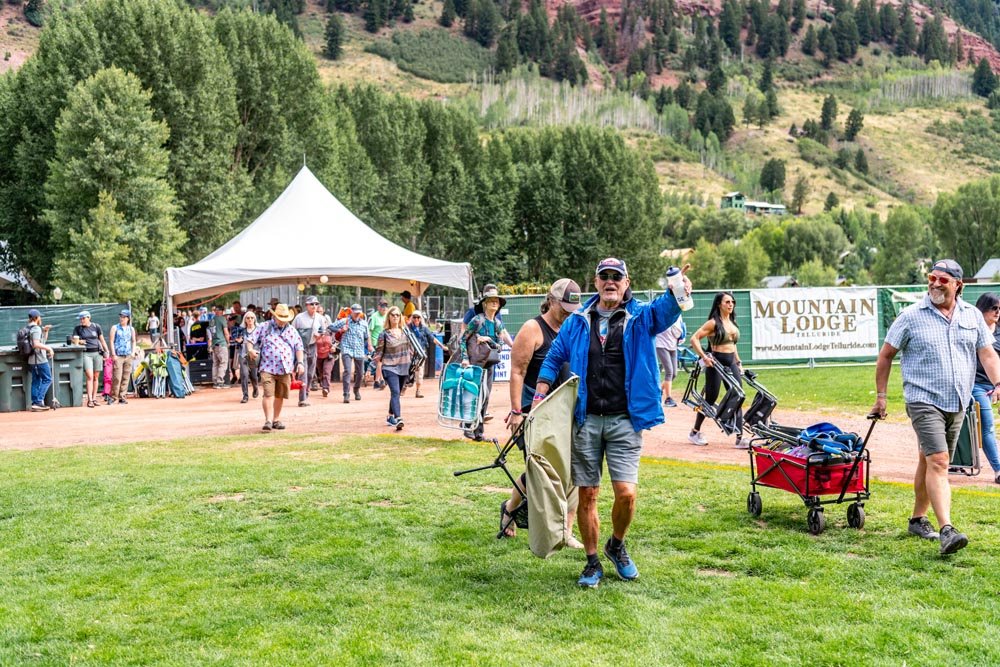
[{"x": 606, "y": 367}]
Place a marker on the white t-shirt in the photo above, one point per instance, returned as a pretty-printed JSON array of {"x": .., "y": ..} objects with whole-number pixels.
[{"x": 152, "y": 323}]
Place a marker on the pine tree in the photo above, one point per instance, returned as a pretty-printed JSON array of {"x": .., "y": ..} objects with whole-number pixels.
[
  {"x": 845, "y": 31},
  {"x": 447, "y": 14},
  {"x": 828, "y": 45},
  {"x": 716, "y": 80},
  {"x": 507, "y": 55},
  {"x": 771, "y": 99},
  {"x": 984, "y": 81},
  {"x": 829, "y": 113},
  {"x": 888, "y": 22},
  {"x": 799, "y": 194},
  {"x": 767, "y": 76},
  {"x": 907, "y": 42},
  {"x": 334, "y": 36},
  {"x": 664, "y": 97},
  {"x": 729, "y": 25},
  {"x": 809, "y": 42},
  {"x": 832, "y": 202},
  {"x": 373, "y": 15},
  {"x": 861, "y": 162},
  {"x": 855, "y": 121},
  {"x": 798, "y": 15},
  {"x": 863, "y": 19},
  {"x": 772, "y": 175}
]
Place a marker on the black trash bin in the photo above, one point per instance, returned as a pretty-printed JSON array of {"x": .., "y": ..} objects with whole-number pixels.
[{"x": 15, "y": 381}]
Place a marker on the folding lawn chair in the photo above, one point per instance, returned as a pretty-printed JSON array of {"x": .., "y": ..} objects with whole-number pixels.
[
  {"x": 545, "y": 437},
  {"x": 460, "y": 400}
]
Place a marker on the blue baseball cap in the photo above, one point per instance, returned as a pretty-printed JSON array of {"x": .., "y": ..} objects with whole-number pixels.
[
  {"x": 125, "y": 313},
  {"x": 82, "y": 314},
  {"x": 33, "y": 313},
  {"x": 612, "y": 264}
]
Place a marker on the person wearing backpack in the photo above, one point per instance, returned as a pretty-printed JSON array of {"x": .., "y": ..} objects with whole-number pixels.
[
  {"x": 485, "y": 331},
  {"x": 38, "y": 360},
  {"x": 123, "y": 344}
]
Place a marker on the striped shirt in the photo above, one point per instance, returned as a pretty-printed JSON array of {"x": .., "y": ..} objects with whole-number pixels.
[
  {"x": 938, "y": 355},
  {"x": 393, "y": 348}
]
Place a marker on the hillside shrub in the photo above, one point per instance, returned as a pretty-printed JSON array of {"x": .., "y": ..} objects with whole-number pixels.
[
  {"x": 434, "y": 54},
  {"x": 815, "y": 153}
]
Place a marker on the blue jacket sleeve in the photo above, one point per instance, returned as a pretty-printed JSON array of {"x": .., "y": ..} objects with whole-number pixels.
[
  {"x": 558, "y": 353},
  {"x": 664, "y": 312}
]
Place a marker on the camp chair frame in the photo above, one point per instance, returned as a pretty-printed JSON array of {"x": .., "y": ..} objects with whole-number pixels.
[
  {"x": 419, "y": 354},
  {"x": 446, "y": 418},
  {"x": 519, "y": 516},
  {"x": 725, "y": 413}
]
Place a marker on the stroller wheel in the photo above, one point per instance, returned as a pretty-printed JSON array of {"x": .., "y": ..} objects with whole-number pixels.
[
  {"x": 816, "y": 520},
  {"x": 856, "y": 516},
  {"x": 754, "y": 506}
]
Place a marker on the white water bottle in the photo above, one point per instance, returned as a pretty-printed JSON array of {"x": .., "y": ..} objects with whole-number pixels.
[{"x": 675, "y": 281}]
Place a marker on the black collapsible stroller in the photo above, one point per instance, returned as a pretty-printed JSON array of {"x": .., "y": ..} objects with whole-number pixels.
[{"x": 726, "y": 412}]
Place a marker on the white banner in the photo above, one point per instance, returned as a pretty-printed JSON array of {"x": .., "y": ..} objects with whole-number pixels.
[
  {"x": 814, "y": 323},
  {"x": 501, "y": 371}
]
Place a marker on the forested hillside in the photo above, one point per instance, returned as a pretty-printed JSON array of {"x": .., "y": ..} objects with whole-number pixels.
[{"x": 521, "y": 137}]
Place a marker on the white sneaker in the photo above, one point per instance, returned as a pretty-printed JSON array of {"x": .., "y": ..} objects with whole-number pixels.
[
  {"x": 742, "y": 443},
  {"x": 696, "y": 438}
]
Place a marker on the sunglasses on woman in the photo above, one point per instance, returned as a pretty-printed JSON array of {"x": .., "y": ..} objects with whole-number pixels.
[{"x": 611, "y": 276}]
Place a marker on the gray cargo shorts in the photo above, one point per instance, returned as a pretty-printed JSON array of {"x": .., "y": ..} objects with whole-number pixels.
[
  {"x": 937, "y": 431},
  {"x": 608, "y": 437}
]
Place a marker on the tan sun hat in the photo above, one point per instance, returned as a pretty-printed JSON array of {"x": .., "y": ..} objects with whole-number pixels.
[{"x": 282, "y": 313}]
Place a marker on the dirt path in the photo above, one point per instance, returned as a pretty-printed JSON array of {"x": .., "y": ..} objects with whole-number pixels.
[{"x": 218, "y": 412}]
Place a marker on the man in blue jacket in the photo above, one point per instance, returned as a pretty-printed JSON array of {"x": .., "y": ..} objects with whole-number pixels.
[{"x": 609, "y": 345}]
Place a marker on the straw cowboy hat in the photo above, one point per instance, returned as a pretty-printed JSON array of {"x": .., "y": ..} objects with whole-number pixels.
[{"x": 282, "y": 313}]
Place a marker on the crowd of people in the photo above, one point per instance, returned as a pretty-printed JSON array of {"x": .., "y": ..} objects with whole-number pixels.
[{"x": 611, "y": 342}]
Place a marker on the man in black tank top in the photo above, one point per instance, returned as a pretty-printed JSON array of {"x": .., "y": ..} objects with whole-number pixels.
[{"x": 530, "y": 347}]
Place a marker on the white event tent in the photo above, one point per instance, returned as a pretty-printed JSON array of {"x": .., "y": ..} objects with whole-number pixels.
[{"x": 304, "y": 235}]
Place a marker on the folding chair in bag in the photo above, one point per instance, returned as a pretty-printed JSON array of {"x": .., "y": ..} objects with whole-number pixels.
[
  {"x": 545, "y": 437},
  {"x": 418, "y": 357}
]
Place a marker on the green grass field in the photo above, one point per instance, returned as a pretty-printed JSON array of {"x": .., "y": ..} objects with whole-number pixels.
[{"x": 305, "y": 550}]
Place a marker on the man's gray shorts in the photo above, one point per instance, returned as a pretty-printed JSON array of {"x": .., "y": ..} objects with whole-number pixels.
[
  {"x": 611, "y": 437},
  {"x": 937, "y": 431}
]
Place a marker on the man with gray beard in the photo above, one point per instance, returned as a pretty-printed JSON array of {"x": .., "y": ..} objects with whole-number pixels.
[{"x": 940, "y": 337}]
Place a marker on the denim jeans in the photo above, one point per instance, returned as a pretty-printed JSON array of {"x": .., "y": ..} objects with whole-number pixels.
[
  {"x": 310, "y": 363},
  {"x": 41, "y": 380},
  {"x": 986, "y": 424},
  {"x": 351, "y": 366},
  {"x": 395, "y": 383},
  {"x": 248, "y": 373}
]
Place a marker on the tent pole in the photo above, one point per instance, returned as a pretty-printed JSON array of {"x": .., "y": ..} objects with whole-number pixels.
[{"x": 168, "y": 326}]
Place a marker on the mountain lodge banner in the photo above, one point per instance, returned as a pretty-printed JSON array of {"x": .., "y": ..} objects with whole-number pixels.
[{"x": 814, "y": 323}]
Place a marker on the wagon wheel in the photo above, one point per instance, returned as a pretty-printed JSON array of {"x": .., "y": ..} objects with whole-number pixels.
[
  {"x": 856, "y": 516},
  {"x": 816, "y": 520},
  {"x": 754, "y": 506}
]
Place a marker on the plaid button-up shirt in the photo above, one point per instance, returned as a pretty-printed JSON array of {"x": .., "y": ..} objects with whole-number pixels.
[
  {"x": 354, "y": 342},
  {"x": 938, "y": 355}
]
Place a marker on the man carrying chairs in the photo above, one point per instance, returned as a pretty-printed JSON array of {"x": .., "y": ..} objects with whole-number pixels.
[{"x": 608, "y": 343}]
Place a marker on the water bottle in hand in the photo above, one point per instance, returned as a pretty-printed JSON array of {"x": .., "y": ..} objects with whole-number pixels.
[{"x": 675, "y": 281}]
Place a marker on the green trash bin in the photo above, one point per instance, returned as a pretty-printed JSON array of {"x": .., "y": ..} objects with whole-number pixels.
[
  {"x": 15, "y": 380},
  {"x": 67, "y": 379}
]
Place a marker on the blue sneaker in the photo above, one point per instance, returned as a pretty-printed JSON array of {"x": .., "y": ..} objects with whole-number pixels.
[
  {"x": 623, "y": 564},
  {"x": 670, "y": 403},
  {"x": 591, "y": 576}
]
